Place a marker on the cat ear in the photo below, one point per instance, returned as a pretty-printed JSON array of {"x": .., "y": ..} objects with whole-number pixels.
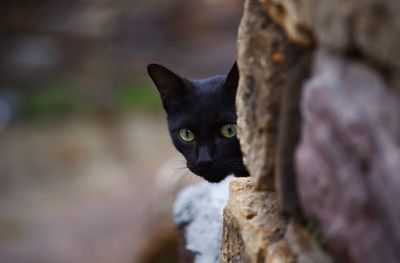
[
  {"x": 232, "y": 79},
  {"x": 169, "y": 84}
]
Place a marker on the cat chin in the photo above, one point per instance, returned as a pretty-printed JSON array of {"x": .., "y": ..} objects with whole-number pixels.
[
  {"x": 241, "y": 173},
  {"x": 213, "y": 178}
]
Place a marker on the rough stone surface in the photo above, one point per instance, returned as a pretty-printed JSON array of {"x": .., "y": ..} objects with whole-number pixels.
[
  {"x": 257, "y": 38},
  {"x": 198, "y": 210},
  {"x": 349, "y": 159},
  {"x": 290, "y": 15},
  {"x": 253, "y": 228},
  {"x": 371, "y": 27},
  {"x": 267, "y": 64},
  {"x": 303, "y": 245},
  {"x": 347, "y": 169},
  {"x": 377, "y": 30},
  {"x": 255, "y": 231},
  {"x": 289, "y": 135}
]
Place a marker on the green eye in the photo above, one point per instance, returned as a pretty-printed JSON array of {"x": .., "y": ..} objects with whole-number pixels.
[
  {"x": 186, "y": 135},
  {"x": 229, "y": 130}
]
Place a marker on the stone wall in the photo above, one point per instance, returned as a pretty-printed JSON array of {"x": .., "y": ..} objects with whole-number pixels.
[{"x": 319, "y": 125}]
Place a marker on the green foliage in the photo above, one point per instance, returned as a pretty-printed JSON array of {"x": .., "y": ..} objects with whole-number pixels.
[
  {"x": 62, "y": 98},
  {"x": 52, "y": 101},
  {"x": 316, "y": 233},
  {"x": 138, "y": 96}
]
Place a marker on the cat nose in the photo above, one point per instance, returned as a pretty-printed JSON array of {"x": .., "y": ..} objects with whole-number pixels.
[{"x": 204, "y": 159}]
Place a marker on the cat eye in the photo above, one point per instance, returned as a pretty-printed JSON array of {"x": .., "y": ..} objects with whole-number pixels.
[
  {"x": 229, "y": 130},
  {"x": 186, "y": 135}
]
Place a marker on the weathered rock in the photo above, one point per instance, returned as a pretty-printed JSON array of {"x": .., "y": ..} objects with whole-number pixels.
[
  {"x": 376, "y": 30},
  {"x": 371, "y": 27},
  {"x": 255, "y": 231},
  {"x": 303, "y": 245},
  {"x": 290, "y": 15},
  {"x": 253, "y": 228},
  {"x": 269, "y": 64},
  {"x": 349, "y": 159},
  {"x": 289, "y": 135},
  {"x": 257, "y": 104}
]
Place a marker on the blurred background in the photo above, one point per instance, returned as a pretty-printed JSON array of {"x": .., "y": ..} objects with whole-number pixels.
[{"x": 87, "y": 170}]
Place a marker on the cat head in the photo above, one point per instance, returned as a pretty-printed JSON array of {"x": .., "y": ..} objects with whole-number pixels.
[{"x": 202, "y": 121}]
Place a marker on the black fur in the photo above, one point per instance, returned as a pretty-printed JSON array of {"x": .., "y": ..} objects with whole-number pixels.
[{"x": 203, "y": 106}]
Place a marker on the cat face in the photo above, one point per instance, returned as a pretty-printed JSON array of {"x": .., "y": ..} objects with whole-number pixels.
[{"x": 202, "y": 121}]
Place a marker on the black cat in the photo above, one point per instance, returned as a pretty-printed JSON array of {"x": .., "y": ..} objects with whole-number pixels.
[{"x": 202, "y": 121}]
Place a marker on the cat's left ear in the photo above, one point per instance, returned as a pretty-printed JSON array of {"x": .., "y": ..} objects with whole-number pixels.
[
  {"x": 232, "y": 79},
  {"x": 169, "y": 84}
]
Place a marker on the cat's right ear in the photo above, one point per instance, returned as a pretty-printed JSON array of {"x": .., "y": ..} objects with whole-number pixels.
[
  {"x": 232, "y": 79},
  {"x": 169, "y": 84}
]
